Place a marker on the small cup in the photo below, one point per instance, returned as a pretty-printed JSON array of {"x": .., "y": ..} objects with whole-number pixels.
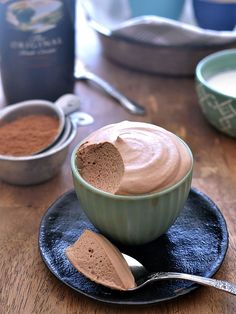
[
  {"x": 38, "y": 168},
  {"x": 131, "y": 220},
  {"x": 217, "y": 15},
  {"x": 165, "y": 8},
  {"x": 35, "y": 169},
  {"x": 218, "y": 107}
]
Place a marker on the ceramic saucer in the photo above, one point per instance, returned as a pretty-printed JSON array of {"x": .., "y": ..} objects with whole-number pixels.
[{"x": 195, "y": 244}]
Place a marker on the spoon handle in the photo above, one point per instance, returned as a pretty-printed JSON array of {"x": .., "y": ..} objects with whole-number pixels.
[
  {"x": 68, "y": 103},
  {"x": 218, "y": 284},
  {"x": 131, "y": 106}
]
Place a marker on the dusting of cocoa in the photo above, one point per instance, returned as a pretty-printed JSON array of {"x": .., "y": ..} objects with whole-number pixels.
[{"x": 28, "y": 134}]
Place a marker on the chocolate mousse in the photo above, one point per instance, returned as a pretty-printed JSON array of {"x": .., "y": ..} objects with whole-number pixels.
[
  {"x": 99, "y": 260},
  {"x": 101, "y": 165},
  {"x": 133, "y": 158}
]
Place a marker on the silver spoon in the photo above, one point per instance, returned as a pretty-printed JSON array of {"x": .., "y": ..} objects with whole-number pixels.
[
  {"x": 84, "y": 75},
  {"x": 143, "y": 277}
]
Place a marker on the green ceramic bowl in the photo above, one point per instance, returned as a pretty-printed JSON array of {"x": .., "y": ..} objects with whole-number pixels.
[
  {"x": 131, "y": 219},
  {"x": 219, "y": 108}
]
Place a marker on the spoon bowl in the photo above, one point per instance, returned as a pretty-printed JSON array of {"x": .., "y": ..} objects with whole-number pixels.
[
  {"x": 63, "y": 137},
  {"x": 143, "y": 277}
]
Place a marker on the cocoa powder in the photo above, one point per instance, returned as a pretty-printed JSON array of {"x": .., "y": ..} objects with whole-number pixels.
[{"x": 28, "y": 134}]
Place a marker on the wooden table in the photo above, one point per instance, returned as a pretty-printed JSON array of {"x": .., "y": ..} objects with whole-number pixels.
[{"x": 26, "y": 285}]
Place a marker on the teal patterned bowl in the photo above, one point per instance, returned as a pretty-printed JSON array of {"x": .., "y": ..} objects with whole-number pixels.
[
  {"x": 218, "y": 107},
  {"x": 131, "y": 220}
]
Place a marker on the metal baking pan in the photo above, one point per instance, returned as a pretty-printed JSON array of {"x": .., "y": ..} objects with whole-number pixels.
[{"x": 179, "y": 60}]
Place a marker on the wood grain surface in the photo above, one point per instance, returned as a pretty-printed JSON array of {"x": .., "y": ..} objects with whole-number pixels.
[{"x": 26, "y": 285}]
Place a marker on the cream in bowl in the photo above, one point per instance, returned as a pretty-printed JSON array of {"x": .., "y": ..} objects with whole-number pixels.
[
  {"x": 224, "y": 82},
  {"x": 216, "y": 89},
  {"x": 132, "y": 179}
]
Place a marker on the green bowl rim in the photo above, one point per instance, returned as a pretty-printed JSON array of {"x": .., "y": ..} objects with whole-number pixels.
[
  {"x": 204, "y": 61},
  {"x": 128, "y": 197}
]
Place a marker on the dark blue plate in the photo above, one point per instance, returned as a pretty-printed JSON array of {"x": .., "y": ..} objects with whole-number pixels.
[{"x": 195, "y": 244}]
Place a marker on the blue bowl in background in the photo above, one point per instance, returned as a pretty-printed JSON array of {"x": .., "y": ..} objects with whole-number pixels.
[
  {"x": 166, "y": 8},
  {"x": 215, "y": 14}
]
